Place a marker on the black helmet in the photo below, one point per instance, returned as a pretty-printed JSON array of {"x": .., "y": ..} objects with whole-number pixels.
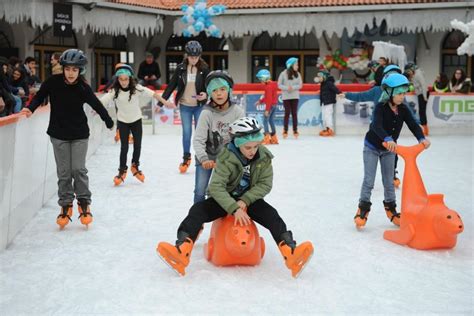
[
  {"x": 219, "y": 74},
  {"x": 193, "y": 48},
  {"x": 410, "y": 66},
  {"x": 73, "y": 57}
]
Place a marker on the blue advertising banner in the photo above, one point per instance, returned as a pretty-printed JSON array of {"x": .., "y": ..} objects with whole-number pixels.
[{"x": 309, "y": 111}]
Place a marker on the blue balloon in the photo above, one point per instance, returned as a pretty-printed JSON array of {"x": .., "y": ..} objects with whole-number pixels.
[
  {"x": 198, "y": 26},
  {"x": 186, "y": 33},
  {"x": 184, "y": 7}
]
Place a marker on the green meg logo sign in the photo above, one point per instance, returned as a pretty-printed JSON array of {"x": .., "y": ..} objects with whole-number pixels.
[
  {"x": 457, "y": 106},
  {"x": 444, "y": 108}
]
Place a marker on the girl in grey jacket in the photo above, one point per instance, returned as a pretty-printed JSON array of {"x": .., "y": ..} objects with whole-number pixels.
[{"x": 290, "y": 83}]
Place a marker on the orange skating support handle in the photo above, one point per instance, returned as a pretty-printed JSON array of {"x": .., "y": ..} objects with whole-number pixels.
[
  {"x": 426, "y": 222},
  {"x": 234, "y": 245}
]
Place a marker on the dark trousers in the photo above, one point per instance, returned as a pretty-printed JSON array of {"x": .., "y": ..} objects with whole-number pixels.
[
  {"x": 291, "y": 106},
  {"x": 209, "y": 210},
  {"x": 422, "y": 108},
  {"x": 137, "y": 132}
]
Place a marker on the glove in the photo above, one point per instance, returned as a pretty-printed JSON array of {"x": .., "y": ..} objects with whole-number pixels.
[{"x": 109, "y": 123}]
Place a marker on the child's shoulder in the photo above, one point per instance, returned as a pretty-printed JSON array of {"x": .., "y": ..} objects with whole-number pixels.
[{"x": 265, "y": 153}]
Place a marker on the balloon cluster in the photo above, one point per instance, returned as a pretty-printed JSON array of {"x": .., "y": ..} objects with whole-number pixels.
[
  {"x": 359, "y": 59},
  {"x": 336, "y": 60},
  {"x": 198, "y": 18}
]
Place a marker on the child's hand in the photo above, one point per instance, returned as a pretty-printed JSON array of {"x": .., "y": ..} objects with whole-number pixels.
[
  {"x": 201, "y": 96},
  {"x": 426, "y": 143},
  {"x": 266, "y": 113},
  {"x": 26, "y": 111},
  {"x": 391, "y": 146},
  {"x": 169, "y": 104},
  {"x": 208, "y": 164},
  {"x": 341, "y": 96},
  {"x": 242, "y": 204},
  {"x": 241, "y": 217}
]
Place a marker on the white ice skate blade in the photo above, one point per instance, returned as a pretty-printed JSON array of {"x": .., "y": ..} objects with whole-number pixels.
[
  {"x": 169, "y": 265},
  {"x": 304, "y": 266}
]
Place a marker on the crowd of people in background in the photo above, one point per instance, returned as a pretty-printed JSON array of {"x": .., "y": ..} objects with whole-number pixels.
[{"x": 19, "y": 82}]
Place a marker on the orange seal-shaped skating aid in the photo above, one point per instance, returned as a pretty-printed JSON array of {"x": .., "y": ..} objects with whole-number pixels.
[
  {"x": 234, "y": 245},
  {"x": 426, "y": 222}
]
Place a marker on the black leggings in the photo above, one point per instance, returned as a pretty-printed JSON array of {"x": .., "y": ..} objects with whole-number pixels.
[
  {"x": 137, "y": 133},
  {"x": 291, "y": 106},
  {"x": 422, "y": 108},
  {"x": 209, "y": 210}
]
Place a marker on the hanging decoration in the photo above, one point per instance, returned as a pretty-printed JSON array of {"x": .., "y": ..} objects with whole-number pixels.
[
  {"x": 467, "y": 47},
  {"x": 198, "y": 18}
]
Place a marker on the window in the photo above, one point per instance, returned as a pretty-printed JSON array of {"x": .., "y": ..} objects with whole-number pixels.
[
  {"x": 272, "y": 52},
  {"x": 450, "y": 60},
  {"x": 215, "y": 52}
]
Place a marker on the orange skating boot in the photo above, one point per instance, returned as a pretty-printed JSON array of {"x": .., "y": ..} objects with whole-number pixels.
[
  {"x": 426, "y": 130},
  {"x": 183, "y": 167},
  {"x": 65, "y": 216},
  {"x": 267, "y": 140},
  {"x": 274, "y": 139},
  {"x": 324, "y": 132},
  {"x": 391, "y": 211},
  {"x": 296, "y": 134},
  {"x": 137, "y": 173},
  {"x": 330, "y": 132},
  {"x": 285, "y": 134},
  {"x": 85, "y": 214},
  {"x": 117, "y": 136},
  {"x": 120, "y": 178},
  {"x": 360, "y": 219},
  {"x": 296, "y": 257},
  {"x": 130, "y": 139},
  {"x": 177, "y": 256}
]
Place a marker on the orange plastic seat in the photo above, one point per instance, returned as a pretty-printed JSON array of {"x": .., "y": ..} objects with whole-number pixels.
[
  {"x": 426, "y": 222},
  {"x": 234, "y": 245}
]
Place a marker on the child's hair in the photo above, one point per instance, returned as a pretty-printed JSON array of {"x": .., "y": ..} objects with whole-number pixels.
[
  {"x": 292, "y": 73},
  {"x": 132, "y": 86},
  {"x": 201, "y": 64}
]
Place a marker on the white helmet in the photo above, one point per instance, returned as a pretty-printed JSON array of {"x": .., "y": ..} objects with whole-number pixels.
[{"x": 244, "y": 126}]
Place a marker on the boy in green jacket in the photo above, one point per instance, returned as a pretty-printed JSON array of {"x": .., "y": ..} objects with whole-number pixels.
[{"x": 241, "y": 179}]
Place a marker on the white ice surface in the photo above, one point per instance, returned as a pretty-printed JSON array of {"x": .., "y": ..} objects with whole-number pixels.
[{"x": 113, "y": 268}]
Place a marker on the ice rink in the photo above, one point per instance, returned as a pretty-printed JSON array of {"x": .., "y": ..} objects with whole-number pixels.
[{"x": 112, "y": 268}]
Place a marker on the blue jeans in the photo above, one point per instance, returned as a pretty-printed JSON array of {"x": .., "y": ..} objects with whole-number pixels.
[
  {"x": 187, "y": 113},
  {"x": 387, "y": 166},
  {"x": 18, "y": 104},
  {"x": 269, "y": 119},
  {"x": 201, "y": 182}
]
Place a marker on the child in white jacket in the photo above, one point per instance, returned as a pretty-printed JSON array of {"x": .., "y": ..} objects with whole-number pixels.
[{"x": 127, "y": 94}]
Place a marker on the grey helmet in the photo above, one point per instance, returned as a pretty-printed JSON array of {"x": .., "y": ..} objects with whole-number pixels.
[
  {"x": 74, "y": 57},
  {"x": 193, "y": 48}
]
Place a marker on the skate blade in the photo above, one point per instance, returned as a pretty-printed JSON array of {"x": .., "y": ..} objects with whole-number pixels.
[
  {"x": 169, "y": 264},
  {"x": 303, "y": 265}
]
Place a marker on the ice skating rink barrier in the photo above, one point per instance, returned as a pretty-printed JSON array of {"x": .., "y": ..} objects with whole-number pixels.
[{"x": 27, "y": 167}]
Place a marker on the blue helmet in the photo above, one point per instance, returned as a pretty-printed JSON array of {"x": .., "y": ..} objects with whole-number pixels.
[
  {"x": 263, "y": 75},
  {"x": 394, "y": 80},
  {"x": 392, "y": 69},
  {"x": 291, "y": 61}
]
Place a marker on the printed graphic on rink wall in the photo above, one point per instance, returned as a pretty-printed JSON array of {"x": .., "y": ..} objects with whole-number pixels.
[
  {"x": 355, "y": 114},
  {"x": 309, "y": 111},
  {"x": 449, "y": 109}
]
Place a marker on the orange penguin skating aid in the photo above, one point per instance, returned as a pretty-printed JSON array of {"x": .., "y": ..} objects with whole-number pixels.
[
  {"x": 234, "y": 245},
  {"x": 426, "y": 222}
]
